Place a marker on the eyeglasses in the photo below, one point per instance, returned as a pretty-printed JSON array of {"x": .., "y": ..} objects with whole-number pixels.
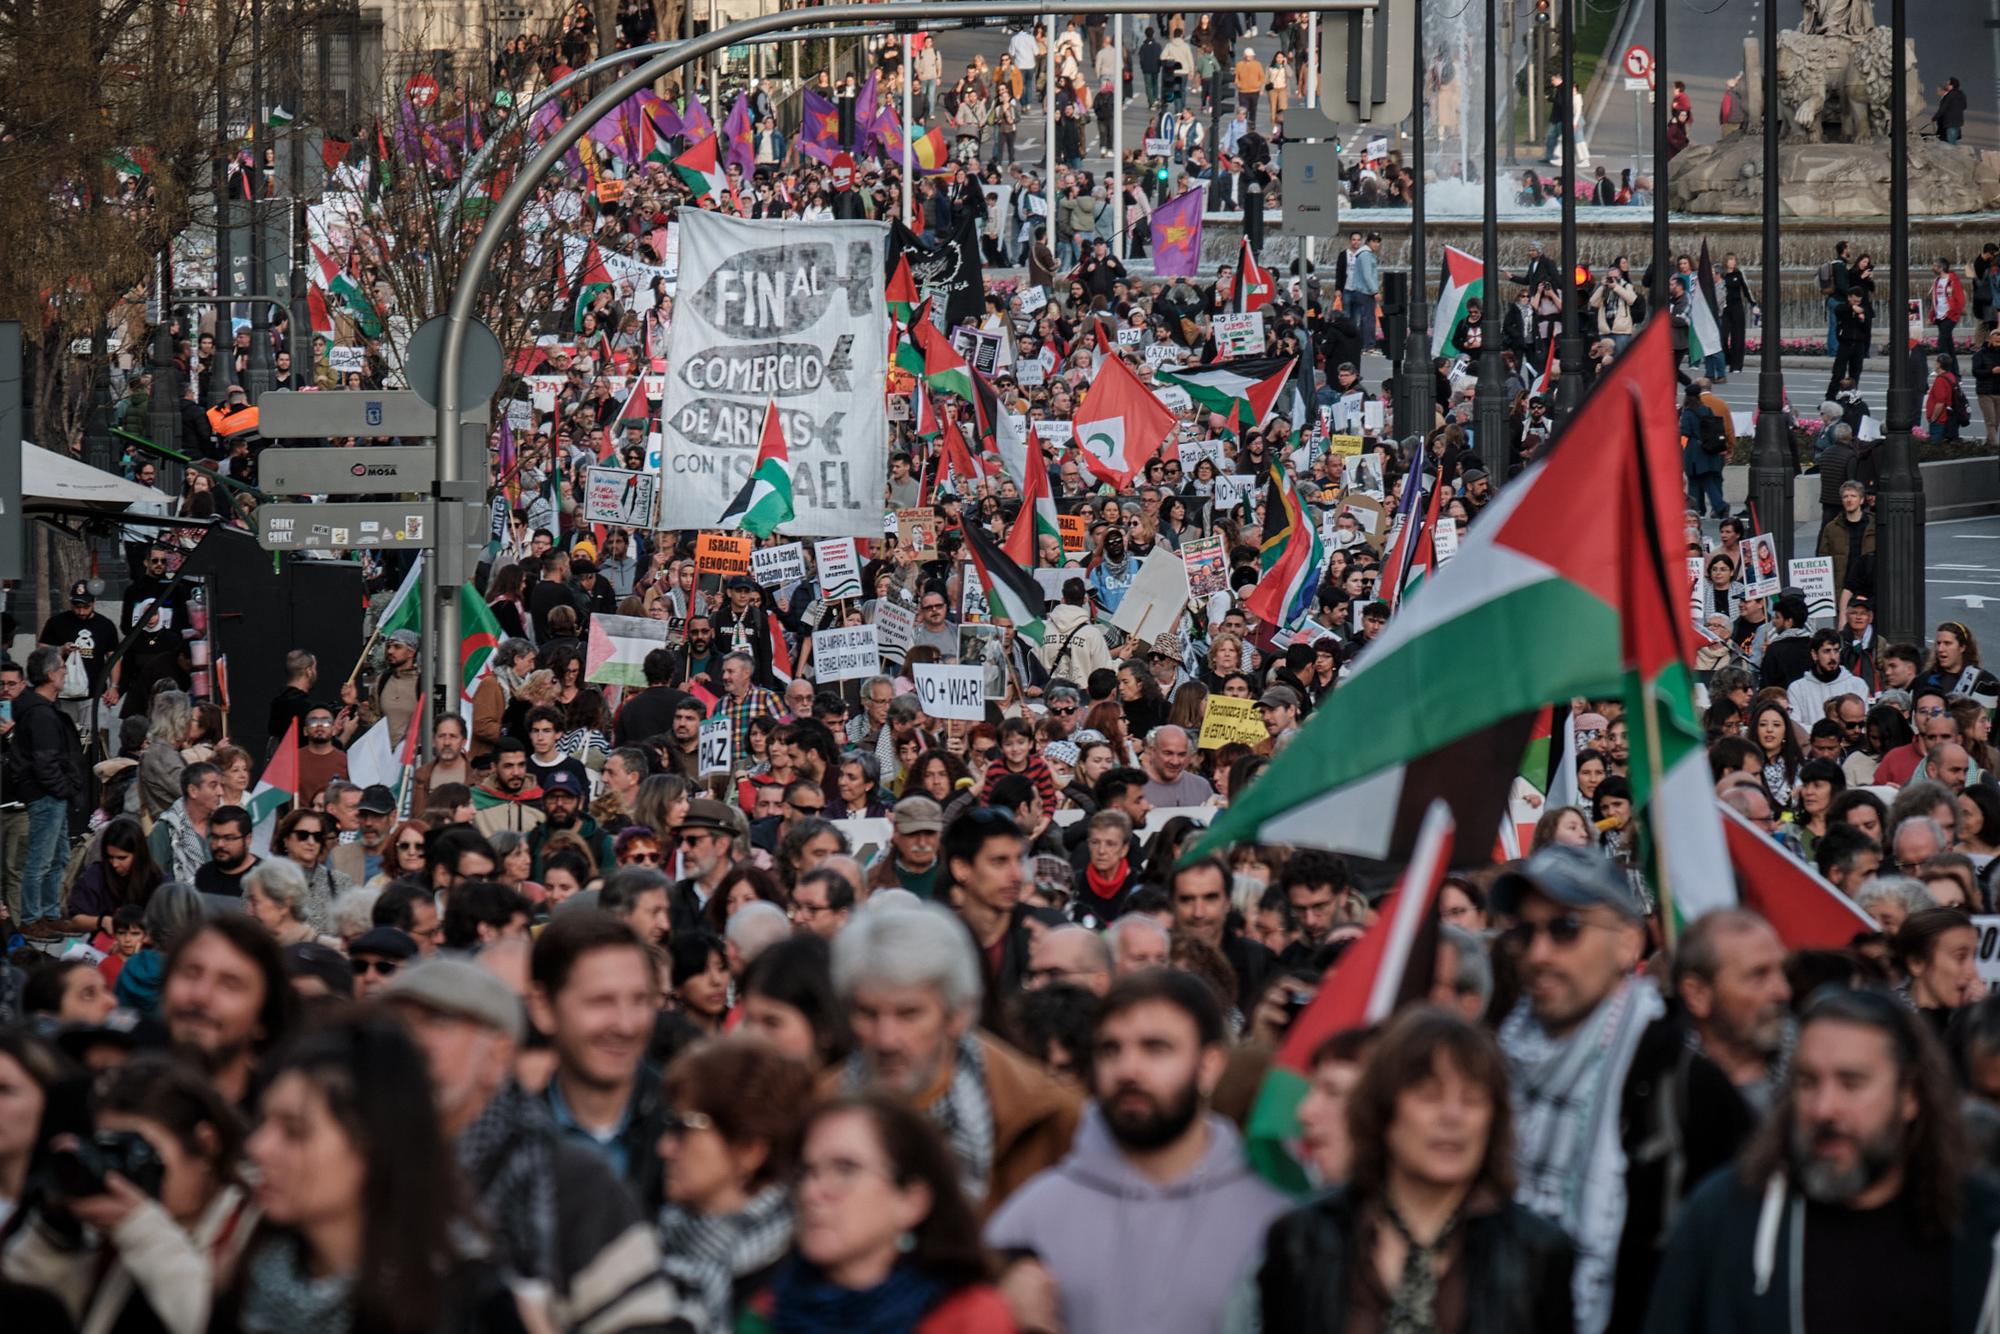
[
  {"x": 312, "y": 835},
  {"x": 682, "y": 1123},
  {"x": 642, "y": 858},
  {"x": 1562, "y": 931},
  {"x": 809, "y": 911},
  {"x": 384, "y": 967},
  {"x": 838, "y": 1175},
  {"x": 804, "y": 810},
  {"x": 1935, "y": 711},
  {"x": 404, "y": 845}
]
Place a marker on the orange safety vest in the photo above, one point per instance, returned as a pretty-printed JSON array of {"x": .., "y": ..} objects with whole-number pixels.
[{"x": 226, "y": 423}]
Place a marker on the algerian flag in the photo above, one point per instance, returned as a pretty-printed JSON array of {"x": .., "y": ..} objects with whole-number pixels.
[
  {"x": 479, "y": 635},
  {"x": 277, "y": 787},
  {"x": 765, "y": 501},
  {"x": 406, "y": 609},
  {"x": 279, "y": 115},
  {"x": 1704, "y": 334},
  {"x": 1241, "y": 392},
  {"x": 1010, "y": 590},
  {"x": 698, "y": 167},
  {"x": 618, "y": 649},
  {"x": 1462, "y": 279}
]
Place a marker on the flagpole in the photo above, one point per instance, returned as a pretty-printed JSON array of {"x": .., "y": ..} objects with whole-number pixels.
[
  {"x": 1118, "y": 133},
  {"x": 908, "y": 127},
  {"x": 427, "y": 594},
  {"x": 1049, "y": 132}
]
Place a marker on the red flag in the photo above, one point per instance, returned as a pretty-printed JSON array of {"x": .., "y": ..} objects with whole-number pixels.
[
  {"x": 781, "y": 652},
  {"x": 1805, "y": 911},
  {"x": 1120, "y": 425},
  {"x": 333, "y": 152}
]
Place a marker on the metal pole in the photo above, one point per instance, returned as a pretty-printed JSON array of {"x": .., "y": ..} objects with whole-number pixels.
[
  {"x": 1118, "y": 138},
  {"x": 1662, "y": 261},
  {"x": 1049, "y": 130},
  {"x": 1771, "y": 456},
  {"x": 909, "y": 132},
  {"x": 499, "y": 222},
  {"x": 714, "y": 69},
  {"x": 163, "y": 409},
  {"x": 1490, "y": 398},
  {"x": 1900, "y": 505},
  {"x": 1569, "y": 389},
  {"x": 258, "y": 374},
  {"x": 1417, "y": 405},
  {"x": 217, "y": 370}
]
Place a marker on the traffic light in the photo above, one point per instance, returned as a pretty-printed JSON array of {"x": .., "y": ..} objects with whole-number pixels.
[
  {"x": 1541, "y": 11},
  {"x": 1160, "y": 171}
]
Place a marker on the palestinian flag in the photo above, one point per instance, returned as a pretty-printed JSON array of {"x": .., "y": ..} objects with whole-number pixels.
[
  {"x": 1442, "y": 703},
  {"x": 942, "y": 368},
  {"x": 1010, "y": 590},
  {"x": 277, "y": 787},
  {"x": 406, "y": 608},
  {"x": 1254, "y": 286},
  {"x": 1413, "y": 555},
  {"x": 765, "y": 501},
  {"x": 700, "y": 170},
  {"x": 617, "y": 651},
  {"x": 781, "y": 649},
  {"x": 1120, "y": 425},
  {"x": 359, "y": 307},
  {"x": 1805, "y": 911},
  {"x": 592, "y": 279},
  {"x": 1461, "y": 278},
  {"x": 1389, "y": 967},
  {"x": 1038, "y": 509},
  {"x": 1704, "y": 333},
  {"x": 1241, "y": 392},
  {"x": 478, "y": 636},
  {"x": 1292, "y": 558},
  {"x": 1545, "y": 379},
  {"x": 378, "y": 758},
  {"x": 901, "y": 294}
]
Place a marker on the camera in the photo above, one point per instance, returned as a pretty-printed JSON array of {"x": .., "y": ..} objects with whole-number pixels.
[
  {"x": 1296, "y": 1002},
  {"x": 78, "y": 1170}
]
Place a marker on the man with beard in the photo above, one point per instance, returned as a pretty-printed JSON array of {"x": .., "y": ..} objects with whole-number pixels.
[
  {"x": 1319, "y": 895},
  {"x": 506, "y": 799},
  {"x": 909, "y": 978},
  {"x": 1150, "y": 1162},
  {"x": 225, "y": 1002},
  {"x": 1825, "y": 680},
  {"x": 1861, "y": 1170},
  {"x": 1612, "y": 1122},
  {"x": 1729, "y": 972},
  {"x": 562, "y": 812},
  {"x": 555, "y": 1211}
]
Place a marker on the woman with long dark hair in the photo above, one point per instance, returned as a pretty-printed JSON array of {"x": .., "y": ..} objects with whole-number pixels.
[
  {"x": 1771, "y": 732},
  {"x": 364, "y": 1226},
  {"x": 123, "y": 874}
]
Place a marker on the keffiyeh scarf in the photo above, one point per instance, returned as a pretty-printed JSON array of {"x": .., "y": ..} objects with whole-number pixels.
[
  {"x": 280, "y": 1297},
  {"x": 704, "y": 1254},
  {"x": 508, "y": 1154},
  {"x": 963, "y": 1113}
]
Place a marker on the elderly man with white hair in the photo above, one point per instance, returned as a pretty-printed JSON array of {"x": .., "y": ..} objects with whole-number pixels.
[
  {"x": 1890, "y": 899},
  {"x": 752, "y": 929},
  {"x": 1138, "y": 942},
  {"x": 910, "y": 980}
]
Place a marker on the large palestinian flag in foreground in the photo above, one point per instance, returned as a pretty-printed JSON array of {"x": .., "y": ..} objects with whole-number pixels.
[
  {"x": 1536, "y": 609},
  {"x": 1391, "y": 966}
]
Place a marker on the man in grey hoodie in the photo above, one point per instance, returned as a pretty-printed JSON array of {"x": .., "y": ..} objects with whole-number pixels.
[{"x": 1153, "y": 1219}]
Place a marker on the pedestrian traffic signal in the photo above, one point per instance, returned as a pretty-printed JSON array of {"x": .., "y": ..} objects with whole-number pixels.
[{"x": 1160, "y": 173}]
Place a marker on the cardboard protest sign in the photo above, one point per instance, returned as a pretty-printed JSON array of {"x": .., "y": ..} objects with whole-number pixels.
[
  {"x": 1368, "y": 512},
  {"x": 773, "y": 566},
  {"x": 1348, "y": 445},
  {"x": 979, "y": 645},
  {"x": 615, "y": 496},
  {"x": 1813, "y": 576},
  {"x": 1156, "y": 597},
  {"x": 1230, "y": 719},
  {"x": 948, "y": 691},
  {"x": 1239, "y": 335},
  {"x": 1444, "y": 538},
  {"x": 845, "y": 653},
  {"x": 722, "y": 554},
  {"x": 1194, "y": 451},
  {"x": 895, "y": 628},
  {"x": 972, "y": 595},
  {"x": 918, "y": 530},
  {"x": 1760, "y": 566},
  {"x": 839, "y": 569},
  {"x": 1075, "y": 529},
  {"x": 1207, "y": 567},
  {"x": 713, "y": 747}
]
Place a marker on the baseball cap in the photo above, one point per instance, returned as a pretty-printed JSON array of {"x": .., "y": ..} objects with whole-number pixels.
[
  {"x": 917, "y": 815},
  {"x": 79, "y": 593},
  {"x": 1573, "y": 877},
  {"x": 742, "y": 582},
  {"x": 407, "y": 638},
  {"x": 708, "y": 813},
  {"x": 562, "y": 780},
  {"x": 1278, "y": 697},
  {"x": 463, "y": 989},
  {"x": 377, "y": 799},
  {"x": 386, "y": 941}
]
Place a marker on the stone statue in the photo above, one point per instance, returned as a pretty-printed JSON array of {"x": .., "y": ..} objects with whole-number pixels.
[{"x": 1838, "y": 18}]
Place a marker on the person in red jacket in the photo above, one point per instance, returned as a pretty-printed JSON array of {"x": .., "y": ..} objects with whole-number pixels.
[
  {"x": 1947, "y": 301},
  {"x": 1941, "y": 403}
]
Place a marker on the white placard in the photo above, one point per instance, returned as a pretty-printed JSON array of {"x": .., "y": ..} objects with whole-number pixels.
[
  {"x": 1444, "y": 538},
  {"x": 344, "y": 359},
  {"x": 1054, "y": 432},
  {"x": 845, "y": 653},
  {"x": 1152, "y": 605},
  {"x": 1159, "y": 147},
  {"x": 1129, "y": 336},
  {"x": 1813, "y": 576},
  {"x": 615, "y": 496},
  {"x": 773, "y": 566},
  {"x": 1760, "y": 566},
  {"x": 1033, "y": 299},
  {"x": 1163, "y": 354},
  {"x": 950, "y": 691},
  {"x": 1031, "y": 373},
  {"x": 713, "y": 748},
  {"x": 1194, "y": 451},
  {"x": 1239, "y": 335},
  {"x": 895, "y": 628},
  {"x": 795, "y": 310},
  {"x": 839, "y": 569}
]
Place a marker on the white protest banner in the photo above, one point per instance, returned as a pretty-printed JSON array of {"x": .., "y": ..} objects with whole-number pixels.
[
  {"x": 344, "y": 359},
  {"x": 1813, "y": 576},
  {"x": 1194, "y": 451},
  {"x": 1053, "y": 577},
  {"x": 1129, "y": 336},
  {"x": 1239, "y": 335},
  {"x": 845, "y": 653},
  {"x": 1159, "y": 147},
  {"x": 1054, "y": 433},
  {"x": 774, "y": 566},
  {"x": 1030, "y": 373},
  {"x": 1152, "y": 605},
  {"x": 787, "y": 311},
  {"x": 839, "y": 569},
  {"x": 615, "y": 496},
  {"x": 895, "y": 627},
  {"x": 951, "y": 691},
  {"x": 713, "y": 748}
]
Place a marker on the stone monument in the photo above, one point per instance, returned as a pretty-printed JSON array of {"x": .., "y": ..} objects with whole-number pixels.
[{"x": 1834, "y": 144}]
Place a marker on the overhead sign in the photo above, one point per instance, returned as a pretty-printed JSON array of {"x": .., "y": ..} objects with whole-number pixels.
[
  {"x": 1312, "y": 188},
  {"x": 382, "y": 524},
  {"x": 318, "y": 414},
  {"x": 1638, "y": 62},
  {"x": 791, "y": 313}
]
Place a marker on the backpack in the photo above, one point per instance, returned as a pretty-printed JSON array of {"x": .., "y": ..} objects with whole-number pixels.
[
  {"x": 1961, "y": 411},
  {"x": 1826, "y": 278},
  {"x": 1714, "y": 440},
  {"x": 1639, "y": 307}
]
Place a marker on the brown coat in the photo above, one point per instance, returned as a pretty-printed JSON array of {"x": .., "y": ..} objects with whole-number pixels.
[{"x": 489, "y": 710}]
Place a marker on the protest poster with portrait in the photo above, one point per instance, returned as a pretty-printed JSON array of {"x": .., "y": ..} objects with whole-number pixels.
[{"x": 1760, "y": 566}]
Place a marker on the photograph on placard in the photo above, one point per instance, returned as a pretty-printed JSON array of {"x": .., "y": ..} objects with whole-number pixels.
[
  {"x": 979, "y": 645},
  {"x": 1760, "y": 566}
]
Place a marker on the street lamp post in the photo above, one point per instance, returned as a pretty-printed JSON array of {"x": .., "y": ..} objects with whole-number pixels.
[
  {"x": 1771, "y": 457},
  {"x": 1900, "y": 505},
  {"x": 1417, "y": 400},
  {"x": 1489, "y": 399},
  {"x": 1662, "y": 261},
  {"x": 1569, "y": 389}
]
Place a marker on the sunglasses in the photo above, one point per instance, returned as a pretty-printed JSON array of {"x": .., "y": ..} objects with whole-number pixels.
[
  {"x": 409, "y": 845},
  {"x": 642, "y": 858},
  {"x": 384, "y": 967},
  {"x": 806, "y": 810},
  {"x": 312, "y": 835},
  {"x": 1562, "y": 931},
  {"x": 1062, "y": 710},
  {"x": 681, "y": 1123}
]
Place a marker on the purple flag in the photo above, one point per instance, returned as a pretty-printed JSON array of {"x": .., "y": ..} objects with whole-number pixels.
[
  {"x": 609, "y": 133},
  {"x": 820, "y": 128},
  {"x": 737, "y": 127},
  {"x": 864, "y": 117},
  {"x": 1177, "y": 235},
  {"x": 887, "y": 132},
  {"x": 695, "y": 124},
  {"x": 666, "y": 120}
]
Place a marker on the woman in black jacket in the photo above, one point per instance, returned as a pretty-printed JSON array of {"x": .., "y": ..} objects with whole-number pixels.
[{"x": 1426, "y": 1234}]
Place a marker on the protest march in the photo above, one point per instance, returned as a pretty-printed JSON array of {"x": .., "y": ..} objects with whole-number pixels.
[{"x": 988, "y": 779}]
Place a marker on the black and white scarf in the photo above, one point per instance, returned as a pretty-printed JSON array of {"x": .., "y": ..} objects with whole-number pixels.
[
  {"x": 508, "y": 1154},
  {"x": 704, "y": 1254},
  {"x": 280, "y": 1297},
  {"x": 964, "y": 1113}
]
